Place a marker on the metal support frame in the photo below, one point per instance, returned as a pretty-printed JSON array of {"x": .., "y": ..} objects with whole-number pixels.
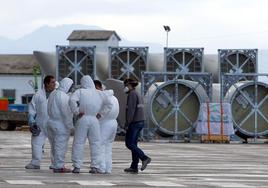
[
  {"x": 237, "y": 66},
  {"x": 76, "y": 64},
  {"x": 183, "y": 66},
  {"x": 230, "y": 79},
  {"x": 150, "y": 78},
  {"x": 127, "y": 68}
]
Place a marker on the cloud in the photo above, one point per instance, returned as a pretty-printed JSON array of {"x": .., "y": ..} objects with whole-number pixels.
[{"x": 207, "y": 23}]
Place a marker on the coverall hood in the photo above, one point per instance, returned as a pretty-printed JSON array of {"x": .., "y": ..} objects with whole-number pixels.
[
  {"x": 65, "y": 84},
  {"x": 109, "y": 92},
  {"x": 87, "y": 82}
]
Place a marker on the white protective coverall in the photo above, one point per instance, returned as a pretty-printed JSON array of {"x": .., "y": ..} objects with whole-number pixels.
[
  {"x": 60, "y": 122},
  {"x": 38, "y": 110},
  {"x": 89, "y": 101},
  {"x": 108, "y": 127}
]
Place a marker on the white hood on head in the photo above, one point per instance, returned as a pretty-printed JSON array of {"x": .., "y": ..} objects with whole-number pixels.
[
  {"x": 87, "y": 82},
  {"x": 65, "y": 84},
  {"x": 109, "y": 92}
]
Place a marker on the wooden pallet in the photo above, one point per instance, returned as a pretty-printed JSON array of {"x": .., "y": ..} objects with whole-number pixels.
[{"x": 215, "y": 139}]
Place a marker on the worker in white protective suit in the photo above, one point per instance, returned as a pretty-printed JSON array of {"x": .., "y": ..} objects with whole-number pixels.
[
  {"x": 60, "y": 124},
  {"x": 86, "y": 103},
  {"x": 108, "y": 129},
  {"x": 38, "y": 118},
  {"x": 49, "y": 135}
]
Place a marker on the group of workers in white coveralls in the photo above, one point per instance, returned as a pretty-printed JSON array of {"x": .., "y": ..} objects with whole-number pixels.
[{"x": 52, "y": 112}]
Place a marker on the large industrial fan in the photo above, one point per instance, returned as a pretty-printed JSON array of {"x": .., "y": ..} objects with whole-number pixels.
[
  {"x": 249, "y": 103},
  {"x": 237, "y": 61},
  {"x": 183, "y": 60},
  {"x": 75, "y": 62},
  {"x": 173, "y": 106},
  {"x": 127, "y": 62}
]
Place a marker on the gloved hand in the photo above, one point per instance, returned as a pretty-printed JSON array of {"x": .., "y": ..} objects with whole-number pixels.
[
  {"x": 35, "y": 130},
  {"x": 98, "y": 116}
]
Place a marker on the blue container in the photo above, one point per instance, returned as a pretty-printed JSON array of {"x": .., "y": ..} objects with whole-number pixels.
[{"x": 18, "y": 107}]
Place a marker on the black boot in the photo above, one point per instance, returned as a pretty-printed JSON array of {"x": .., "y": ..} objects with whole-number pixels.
[
  {"x": 131, "y": 170},
  {"x": 145, "y": 163}
]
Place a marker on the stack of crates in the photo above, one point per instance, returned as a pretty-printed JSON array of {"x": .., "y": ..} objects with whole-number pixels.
[{"x": 4, "y": 104}]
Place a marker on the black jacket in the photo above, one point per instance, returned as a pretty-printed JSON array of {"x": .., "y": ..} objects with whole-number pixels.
[{"x": 135, "y": 108}]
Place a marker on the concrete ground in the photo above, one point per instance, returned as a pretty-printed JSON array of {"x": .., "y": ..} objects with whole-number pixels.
[{"x": 173, "y": 165}]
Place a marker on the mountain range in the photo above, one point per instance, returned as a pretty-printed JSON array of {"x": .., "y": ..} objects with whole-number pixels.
[{"x": 46, "y": 38}]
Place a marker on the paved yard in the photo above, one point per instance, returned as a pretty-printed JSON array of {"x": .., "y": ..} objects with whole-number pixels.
[{"x": 173, "y": 165}]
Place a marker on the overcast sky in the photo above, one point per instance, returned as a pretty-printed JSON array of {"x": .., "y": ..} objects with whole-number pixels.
[{"x": 211, "y": 24}]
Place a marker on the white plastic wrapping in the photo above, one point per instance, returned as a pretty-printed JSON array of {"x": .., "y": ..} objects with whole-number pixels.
[{"x": 219, "y": 123}]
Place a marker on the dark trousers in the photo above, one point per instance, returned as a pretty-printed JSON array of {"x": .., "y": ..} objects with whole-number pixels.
[{"x": 131, "y": 141}]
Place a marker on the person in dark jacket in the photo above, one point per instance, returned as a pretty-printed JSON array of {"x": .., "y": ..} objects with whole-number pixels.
[{"x": 134, "y": 124}]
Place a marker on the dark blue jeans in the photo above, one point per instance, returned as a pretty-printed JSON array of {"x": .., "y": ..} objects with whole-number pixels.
[{"x": 131, "y": 141}]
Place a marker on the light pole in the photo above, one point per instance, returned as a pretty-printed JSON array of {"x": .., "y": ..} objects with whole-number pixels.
[{"x": 167, "y": 29}]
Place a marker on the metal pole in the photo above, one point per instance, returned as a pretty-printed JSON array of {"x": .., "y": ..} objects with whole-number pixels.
[
  {"x": 167, "y": 40},
  {"x": 255, "y": 109}
]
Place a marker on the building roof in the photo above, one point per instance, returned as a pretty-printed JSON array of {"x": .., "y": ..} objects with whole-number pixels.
[
  {"x": 92, "y": 35},
  {"x": 17, "y": 64}
]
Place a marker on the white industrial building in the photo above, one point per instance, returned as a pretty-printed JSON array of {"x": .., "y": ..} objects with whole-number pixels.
[
  {"x": 102, "y": 39},
  {"x": 16, "y": 72}
]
